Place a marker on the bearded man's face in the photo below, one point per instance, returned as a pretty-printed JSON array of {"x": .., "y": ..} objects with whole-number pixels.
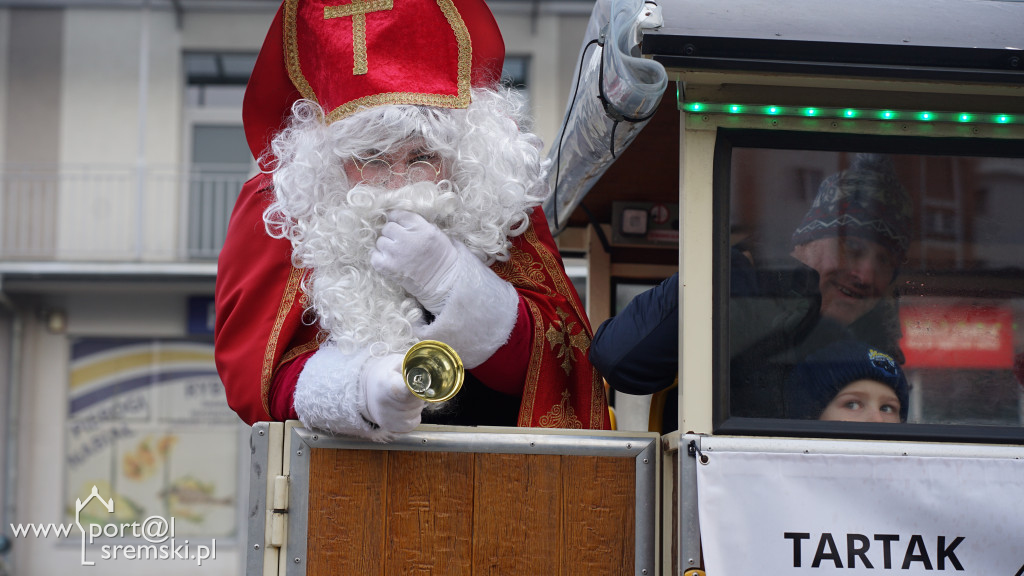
[{"x": 353, "y": 302}]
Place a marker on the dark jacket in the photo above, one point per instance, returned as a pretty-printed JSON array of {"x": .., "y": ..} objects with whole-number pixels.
[
  {"x": 774, "y": 322},
  {"x": 636, "y": 350}
]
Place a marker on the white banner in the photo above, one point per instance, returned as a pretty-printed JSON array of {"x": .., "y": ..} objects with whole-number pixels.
[{"x": 800, "y": 514}]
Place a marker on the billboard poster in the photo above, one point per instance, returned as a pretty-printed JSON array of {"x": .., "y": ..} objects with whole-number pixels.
[{"x": 148, "y": 424}]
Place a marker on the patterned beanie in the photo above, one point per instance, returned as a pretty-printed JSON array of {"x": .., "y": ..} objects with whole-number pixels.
[
  {"x": 865, "y": 200},
  {"x": 823, "y": 373}
]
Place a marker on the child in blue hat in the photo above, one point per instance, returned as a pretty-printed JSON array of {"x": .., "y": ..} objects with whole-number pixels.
[{"x": 850, "y": 381}]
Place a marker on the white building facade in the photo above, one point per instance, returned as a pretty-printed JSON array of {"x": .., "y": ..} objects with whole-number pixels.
[{"x": 121, "y": 153}]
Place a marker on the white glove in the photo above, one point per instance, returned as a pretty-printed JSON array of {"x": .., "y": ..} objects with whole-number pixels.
[
  {"x": 417, "y": 256},
  {"x": 479, "y": 314},
  {"x": 389, "y": 403},
  {"x": 474, "y": 309}
]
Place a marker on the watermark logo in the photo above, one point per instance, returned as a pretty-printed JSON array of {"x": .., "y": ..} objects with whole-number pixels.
[
  {"x": 79, "y": 505},
  {"x": 155, "y": 533}
]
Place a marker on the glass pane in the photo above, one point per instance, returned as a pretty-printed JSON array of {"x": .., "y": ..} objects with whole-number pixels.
[
  {"x": 904, "y": 271},
  {"x": 221, "y": 163},
  {"x": 514, "y": 72},
  {"x": 219, "y": 145},
  {"x": 218, "y": 67},
  {"x": 238, "y": 66},
  {"x": 626, "y": 291},
  {"x": 200, "y": 65},
  {"x": 216, "y": 79}
]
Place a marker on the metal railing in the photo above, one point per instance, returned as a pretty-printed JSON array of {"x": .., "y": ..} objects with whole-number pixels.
[
  {"x": 211, "y": 197},
  {"x": 116, "y": 213}
]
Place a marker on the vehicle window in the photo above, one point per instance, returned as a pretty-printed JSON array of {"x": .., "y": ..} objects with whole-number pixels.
[{"x": 903, "y": 270}]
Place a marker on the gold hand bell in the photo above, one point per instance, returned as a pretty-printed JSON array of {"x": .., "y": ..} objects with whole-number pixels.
[{"x": 433, "y": 371}]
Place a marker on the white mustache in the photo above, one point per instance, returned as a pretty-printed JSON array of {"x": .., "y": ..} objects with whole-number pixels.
[{"x": 437, "y": 203}]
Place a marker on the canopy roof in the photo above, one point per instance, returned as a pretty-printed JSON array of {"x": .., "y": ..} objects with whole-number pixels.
[{"x": 951, "y": 42}]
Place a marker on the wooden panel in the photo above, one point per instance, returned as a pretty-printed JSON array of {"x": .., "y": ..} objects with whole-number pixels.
[
  {"x": 429, "y": 513},
  {"x": 599, "y": 509},
  {"x": 345, "y": 534},
  {"x": 517, "y": 518},
  {"x": 417, "y": 513}
]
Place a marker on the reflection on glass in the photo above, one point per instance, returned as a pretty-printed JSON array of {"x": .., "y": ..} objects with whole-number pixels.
[{"x": 917, "y": 258}]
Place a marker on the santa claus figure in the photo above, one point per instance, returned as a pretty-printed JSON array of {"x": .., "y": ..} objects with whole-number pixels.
[{"x": 399, "y": 202}]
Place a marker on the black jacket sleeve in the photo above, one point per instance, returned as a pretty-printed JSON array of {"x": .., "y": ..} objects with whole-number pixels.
[{"x": 637, "y": 350}]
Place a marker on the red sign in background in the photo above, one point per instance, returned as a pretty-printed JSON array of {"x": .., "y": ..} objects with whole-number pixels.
[{"x": 957, "y": 336}]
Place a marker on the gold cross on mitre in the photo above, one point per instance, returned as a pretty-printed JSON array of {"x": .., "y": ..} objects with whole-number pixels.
[
  {"x": 566, "y": 340},
  {"x": 358, "y": 10}
]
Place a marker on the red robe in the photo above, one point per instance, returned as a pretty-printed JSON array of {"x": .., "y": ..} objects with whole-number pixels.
[{"x": 262, "y": 342}]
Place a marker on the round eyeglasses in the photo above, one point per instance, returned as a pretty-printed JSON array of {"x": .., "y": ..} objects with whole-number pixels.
[{"x": 378, "y": 171}]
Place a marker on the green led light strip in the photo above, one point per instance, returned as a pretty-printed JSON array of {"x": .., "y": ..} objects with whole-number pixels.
[{"x": 924, "y": 116}]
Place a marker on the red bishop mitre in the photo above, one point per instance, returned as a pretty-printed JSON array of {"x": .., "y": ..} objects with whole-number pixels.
[{"x": 345, "y": 55}]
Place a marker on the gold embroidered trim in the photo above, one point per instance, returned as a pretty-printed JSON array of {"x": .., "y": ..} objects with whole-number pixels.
[
  {"x": 598, "y": 401},
  {"x": 461, "y": 98},
  {"x": 465, "y": 47},
  {"x": 298, "y": 351},
  {"x": 522, "y": 270},
  {"x": 291, "y": 52},
  {"x": 554, "y": 271},
  {"x": 388, "y": 98},
  {"x": 358, "y": 10},
  {"x": 357, "y": 7},
  {"x": 533, "y": 369},
  {"x": 561, "y": 416},
  {"x": 359, "y": 63},
  {"x": 287, "y": 300},
  {"x": 562, "y": 340}
]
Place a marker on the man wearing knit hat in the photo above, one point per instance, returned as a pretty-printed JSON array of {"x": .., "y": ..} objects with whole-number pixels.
[
  {"x": 856, "y": 236},
  {"x": 847, "y": 252},
  {"x": 399, "y": 202},
  {"x": 850, "y": 381}
]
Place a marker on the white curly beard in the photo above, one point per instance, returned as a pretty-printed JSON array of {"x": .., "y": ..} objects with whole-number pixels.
[
  {"x": 353, "y": 302},
  {"x": 496, "y": 177}
]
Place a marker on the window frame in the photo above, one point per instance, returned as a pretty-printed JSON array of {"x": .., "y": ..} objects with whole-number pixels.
[{"x": 722, "y": 422}]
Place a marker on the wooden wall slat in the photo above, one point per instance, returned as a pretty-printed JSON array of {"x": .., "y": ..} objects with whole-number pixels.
[
  {"x": 429, "y": 513},
  {"x": 599, "y": 508},
  {"x": 345, "y": 533},
  {"x": 449, "y": 513},
  {"x": 517, "y": 517}
]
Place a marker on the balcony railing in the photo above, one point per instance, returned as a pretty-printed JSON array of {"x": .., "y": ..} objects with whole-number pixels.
[{"x": 116, "y": 213}]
